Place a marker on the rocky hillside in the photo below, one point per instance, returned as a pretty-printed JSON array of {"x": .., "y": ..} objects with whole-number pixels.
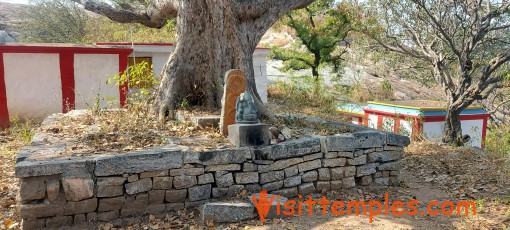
[
  {"x": 10, "y": 14},
  {"x": 403, "y": 89}
]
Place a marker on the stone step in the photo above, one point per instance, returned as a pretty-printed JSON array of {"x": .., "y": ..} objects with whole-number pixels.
[
  {"x": 266, "y": 198},
  {"x": 206, "y": 121},
  {"x": 227, "y": 212}
]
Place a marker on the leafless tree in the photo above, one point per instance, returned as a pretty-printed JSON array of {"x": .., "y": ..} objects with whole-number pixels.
[
  {"x": 466, "y": 43},
  {"x": 212, "y": 37}
]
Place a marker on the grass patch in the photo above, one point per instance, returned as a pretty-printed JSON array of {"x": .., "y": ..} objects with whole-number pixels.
[
  {"x": 302, "y": 95},
  {"x": 13, "y": 139},
  {"x": 497, "y": 141}
]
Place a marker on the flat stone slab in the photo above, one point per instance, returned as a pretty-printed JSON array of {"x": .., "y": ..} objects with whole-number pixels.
[
  {"x": 227, "y": 212},
  {"x": 142, "y": 161},
  {"x": 241, "y": 135},
  {"x": 218, "y": 157},
  {"x": 206, "y": 121},
  {"x": 289, "y": 149},
  {"x": 277, "y": 200},
  {"x": 49, "y": 167}
]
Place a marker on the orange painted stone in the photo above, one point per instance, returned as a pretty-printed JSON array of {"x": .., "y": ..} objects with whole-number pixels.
[{"x": 235, "y": 84}]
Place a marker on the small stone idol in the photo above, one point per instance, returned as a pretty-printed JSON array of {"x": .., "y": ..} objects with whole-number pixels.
[{"x": 246, "y": 111}]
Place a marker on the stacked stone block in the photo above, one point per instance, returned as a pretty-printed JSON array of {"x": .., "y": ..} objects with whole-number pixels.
[{"x": 73, "y": 191}]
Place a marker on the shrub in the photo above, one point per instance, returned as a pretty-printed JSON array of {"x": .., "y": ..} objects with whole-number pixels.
[
  {"x": 140, "y": 77},
  {"x": 497, "y": 140},
  {"x": 299, "y": 94}
]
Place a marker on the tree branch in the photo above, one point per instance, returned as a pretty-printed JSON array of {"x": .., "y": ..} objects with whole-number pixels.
[
  {"x": 439, "y": 27},
  {"x": 155, "y": 16},
  {"x": 497, "y": 107},
  {"x": 249, "y": 9},
  {"x": 402, "y": 50}
]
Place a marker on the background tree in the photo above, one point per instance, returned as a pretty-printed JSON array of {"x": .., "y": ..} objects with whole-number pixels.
[
  {"x": 53, "y": 21},
  {"x": 320, "y": 28},
  {"x": 212, "y": 37},
  {"x": 465, "y": 43},
  {"x": 62, "y": 21},
  {"x": 102, "y": 29}
]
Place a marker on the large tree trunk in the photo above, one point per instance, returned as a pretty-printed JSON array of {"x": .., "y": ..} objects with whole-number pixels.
[
  {"x": 212, "y": 37},
  {"x": 453, "y": 129},
  {"x": 210, "y": 40}
]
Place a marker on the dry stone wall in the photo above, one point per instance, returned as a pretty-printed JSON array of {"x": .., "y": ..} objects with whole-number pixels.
[{"x": 66, "y": 191}]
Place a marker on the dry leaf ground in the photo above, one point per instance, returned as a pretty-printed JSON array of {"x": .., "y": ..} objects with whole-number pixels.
[
  {"x": 11, "y": 141},
  {"x": 431, "y": 172}
]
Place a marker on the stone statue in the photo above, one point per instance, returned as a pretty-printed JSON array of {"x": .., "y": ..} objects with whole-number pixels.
[{"x": 246, "y": 111}]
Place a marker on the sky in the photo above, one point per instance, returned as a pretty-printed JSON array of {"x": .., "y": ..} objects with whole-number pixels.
[{"x": 15, "y": 1}]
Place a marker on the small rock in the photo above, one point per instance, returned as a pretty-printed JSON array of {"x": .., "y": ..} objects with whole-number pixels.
[
  {"x": 139, "y": 186},
  {"x": 274, "y": 132},
  {"x": 271, "y": 176},
  {"x": 78, "y": 187},
  {"x": 307, "y": 188},
  {"x": 201, "y": 192},
  {"x": 286, "y": 132}
]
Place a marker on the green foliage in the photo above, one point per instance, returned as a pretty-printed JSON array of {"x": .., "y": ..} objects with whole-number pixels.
[
  {"x": 497, "y": 140},
  {"x": 386, "y": 86},
  {"x": 140, "y": 76},
  {"x": 53, "y": 21},
  {"x": 386, "y": 89},
  {"x": 304, "y": 92},
  {"x": 101, "y": 29},
  {"x": 357, "y": 93},
  {"x": 320, "y": 30},
  {"x": 185, "y": 103},
  {"x": 21, "y": 133},
  {"x": 62, "y": 21}
]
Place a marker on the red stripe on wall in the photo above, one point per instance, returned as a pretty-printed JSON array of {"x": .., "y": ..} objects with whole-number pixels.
[
  {"x": 396, "y": 127},
  {"x": 67, "y": 80},
  {"x": 417, "y": 128},
  {"x": 4, "y": 112},
  {"x": 462, "y": 117},
  {"x": 425, "y": 118},
  {"x": 34, "y": 48},
  {"x": 123, "y": 89},
  {"x": 365, "y": 120},
  {"x": 484, "y": 131},
  {"x": 388, "y": 114}
]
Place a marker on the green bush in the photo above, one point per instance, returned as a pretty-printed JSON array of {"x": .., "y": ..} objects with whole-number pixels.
[
  {"x": 386, "y": 86},
  {"x": 300, "y": 92},
  {"x": 497, "y": 140},
  {"x": 140, "y": 76}
]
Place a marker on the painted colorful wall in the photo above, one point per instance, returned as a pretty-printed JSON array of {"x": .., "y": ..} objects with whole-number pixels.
[
  {"x": 160, "y": 52},
  {"x": 41, "y": 79},
  {"x": 418, "y": 117}
]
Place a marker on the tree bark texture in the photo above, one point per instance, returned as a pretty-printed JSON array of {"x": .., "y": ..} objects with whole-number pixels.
[
  {"x": 213, "y": 36},
  {"x": 453, "y": 129}
]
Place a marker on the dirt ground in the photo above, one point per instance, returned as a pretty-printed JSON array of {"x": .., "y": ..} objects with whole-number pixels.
[{"x": 430, "y": 172}]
